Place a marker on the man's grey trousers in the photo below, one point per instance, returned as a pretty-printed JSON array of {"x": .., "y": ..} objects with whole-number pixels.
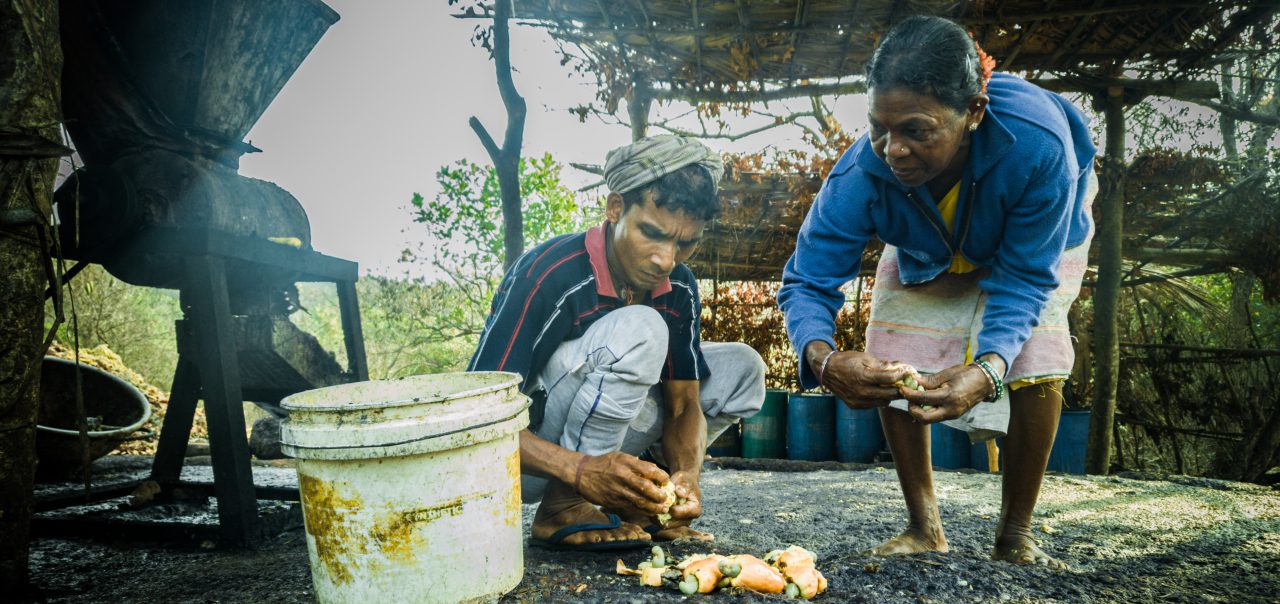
[{"x": 603, "y": 393}]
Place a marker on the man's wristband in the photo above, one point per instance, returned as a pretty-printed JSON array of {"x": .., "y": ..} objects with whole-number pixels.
[
  {"x": 822, "y": 369},
  {"x": 996, "y": 382}
]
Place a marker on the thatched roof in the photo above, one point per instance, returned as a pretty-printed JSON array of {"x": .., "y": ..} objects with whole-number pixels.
[
  {"x": 718, "y": 45},
  {"x": 748, "y": 50}
]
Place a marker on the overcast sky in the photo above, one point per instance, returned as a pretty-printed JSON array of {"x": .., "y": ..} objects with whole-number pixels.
[{"x": 383, "y": 101}]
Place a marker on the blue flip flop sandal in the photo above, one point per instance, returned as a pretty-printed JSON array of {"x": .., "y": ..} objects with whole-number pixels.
[{"x": 556, "y": 541}]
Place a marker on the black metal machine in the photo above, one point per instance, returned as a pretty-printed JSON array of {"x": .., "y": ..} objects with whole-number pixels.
[{"x": 158, "y": 96}]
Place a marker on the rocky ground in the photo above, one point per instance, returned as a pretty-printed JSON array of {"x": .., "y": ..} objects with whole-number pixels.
[{"x": 1128, "y": 539}]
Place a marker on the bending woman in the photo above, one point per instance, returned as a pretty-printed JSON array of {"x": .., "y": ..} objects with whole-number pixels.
[{"x": 980, "y": 187}]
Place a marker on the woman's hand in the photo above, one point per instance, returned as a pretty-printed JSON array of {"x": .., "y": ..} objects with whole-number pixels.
[
  {"x": 948, "y": 394},
  {"x": 860, "y": 380}
]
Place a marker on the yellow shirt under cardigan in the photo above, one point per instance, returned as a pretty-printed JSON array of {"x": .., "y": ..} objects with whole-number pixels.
[
  {"x": 947, "y": 207},
  {"x": 960, "y": 265}
]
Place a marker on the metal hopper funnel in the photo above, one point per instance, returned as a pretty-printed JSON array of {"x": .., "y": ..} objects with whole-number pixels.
[{"x": 193, "y": 75}]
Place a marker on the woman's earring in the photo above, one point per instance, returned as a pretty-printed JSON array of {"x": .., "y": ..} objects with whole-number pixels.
[{"x": 973, "y": 127}]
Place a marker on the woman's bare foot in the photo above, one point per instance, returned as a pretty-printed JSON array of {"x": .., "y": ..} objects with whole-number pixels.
[
  {"x": 1020, "y": 549},
  {"x": 914, "y": 540},
  {"x": 552, "y": 516}
]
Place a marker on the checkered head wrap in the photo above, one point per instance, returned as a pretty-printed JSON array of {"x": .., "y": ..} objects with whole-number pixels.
[{"x": 630, "y": 167}]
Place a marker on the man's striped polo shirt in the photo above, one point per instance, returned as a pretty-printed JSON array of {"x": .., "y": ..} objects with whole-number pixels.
[{"x": 556, "y": 290}]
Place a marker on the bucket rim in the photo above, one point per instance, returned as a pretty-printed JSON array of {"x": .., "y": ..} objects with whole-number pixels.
[
  {"x": 320, "y": 452},
  {"x": 292, "y": 402},
  {"x": 133, "y": 391}
]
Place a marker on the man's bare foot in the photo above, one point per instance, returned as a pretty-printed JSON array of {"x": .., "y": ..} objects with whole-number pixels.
[
  {"x": 1023, "y": 550},
  {"x": 914, "y": 540},
  {"x": 551, "y": 518},
  {"x": 682, "y": 532},
  {"x": 670, "y": 533}
]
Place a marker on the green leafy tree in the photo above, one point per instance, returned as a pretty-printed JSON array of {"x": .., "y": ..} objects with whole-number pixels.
[
  {"x": 464, "y": 240},
  {"x": 466, "y": 217},
  {"x": 136, "y": 322},
  {"x": 399, "y": 320}
]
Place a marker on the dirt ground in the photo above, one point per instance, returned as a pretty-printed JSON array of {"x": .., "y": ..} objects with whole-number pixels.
[{"x": 1127, "y": 538}]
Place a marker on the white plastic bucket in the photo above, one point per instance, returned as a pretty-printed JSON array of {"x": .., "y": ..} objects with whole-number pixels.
[{"x": 411, "y": 487}]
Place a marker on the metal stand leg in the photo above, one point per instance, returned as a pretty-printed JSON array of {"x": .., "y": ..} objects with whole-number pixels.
[
  {"x": 353, "y": 336},
  {"x": 220, "y": 382},
  {"x": 178, "y": 416}
]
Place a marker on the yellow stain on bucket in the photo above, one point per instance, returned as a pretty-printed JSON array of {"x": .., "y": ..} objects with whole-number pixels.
[
  {"x": 512, "y": 508},
  {"x": 325, "y": 515},
  {"x": 397, "y": 535},
  {"x": 393, "y": 536}
]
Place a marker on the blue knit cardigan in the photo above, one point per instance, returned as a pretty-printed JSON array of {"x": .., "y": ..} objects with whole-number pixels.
[{"x": 1021, "y": 205}]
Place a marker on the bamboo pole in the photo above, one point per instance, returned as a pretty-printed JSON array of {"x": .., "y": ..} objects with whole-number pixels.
[{"x": 1107, "y": 293}]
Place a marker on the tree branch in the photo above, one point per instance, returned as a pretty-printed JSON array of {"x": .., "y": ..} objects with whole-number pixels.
[
  {"x": 748, "y": 96},
  {"x": 506, "y": 160},
  {"x": 485, "y": 139},
  {"x": 1238, "y": 113},
  {"x": 1180, "y": 89},
  {"x": 778, "y": 121}
]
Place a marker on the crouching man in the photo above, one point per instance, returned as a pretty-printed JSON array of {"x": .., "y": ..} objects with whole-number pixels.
[{"x": 603, "y": 326}]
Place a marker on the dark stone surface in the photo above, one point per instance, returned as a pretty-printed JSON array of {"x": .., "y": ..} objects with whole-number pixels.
[{"x": 1126, "y": 540}]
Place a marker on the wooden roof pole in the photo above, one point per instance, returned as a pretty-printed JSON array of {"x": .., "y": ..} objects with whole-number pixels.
[
  {"x": 1140, "y": 47},
  {"x": 648, "y": 34},
  {"x": 638, "y": 108},
  {"x": 1071, "y": 38},
  {"x": 641, "y": 97},
  {"x": 697, "y": 40},
  {"x": 802, "y": 11},
  {"x": 848, "y": 41},
  {"x": 1096, "y": 10},
  {"x": 1027, "y": 31},
  {"x": 1106, "y": 295},
  {"x": 1255, "y": 13}
]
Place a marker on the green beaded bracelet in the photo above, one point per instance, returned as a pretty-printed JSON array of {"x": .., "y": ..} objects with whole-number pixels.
[{"x": 995, "y": 380}]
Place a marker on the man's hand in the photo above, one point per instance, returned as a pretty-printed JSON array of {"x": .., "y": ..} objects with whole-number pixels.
[
  {"x": 860, "y": 380},
  {"x": 623, "y": 482},
  {"x": 687, "y": 490},
  {"x": 683, "y": 514},
  {"x": 948, "y": 394}
]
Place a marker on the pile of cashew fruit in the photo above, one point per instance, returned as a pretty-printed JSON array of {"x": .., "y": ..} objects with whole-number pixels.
[{"x": 790, "y": 571}]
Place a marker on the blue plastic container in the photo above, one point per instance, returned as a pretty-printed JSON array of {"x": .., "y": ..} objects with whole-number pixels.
[
  {"x": 858, "y": 434},
  {"x": 728, "y": 444},
  {"x": 764, "y": 435},
  {"x": 949, "y": 447},
  {"x": 1068, "y": 450},
  {"x": 811, "y": 427}
]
